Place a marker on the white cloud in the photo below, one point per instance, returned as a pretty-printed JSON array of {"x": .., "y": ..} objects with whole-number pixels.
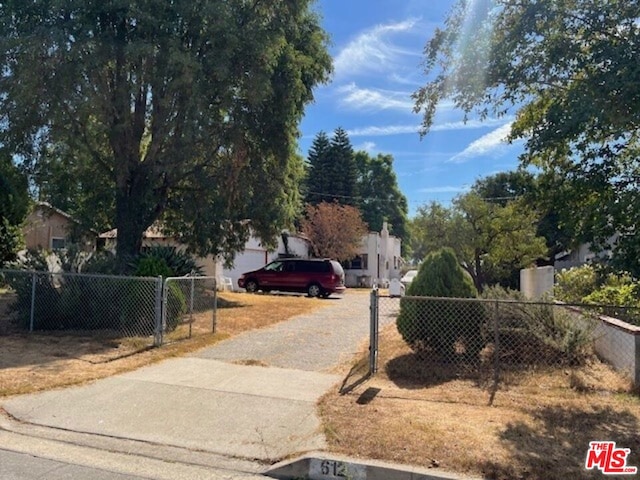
[
  {"x": 383, "y": 131},
  {"x": 445, "y": 189},
  {"x": 366, "y": 146},
  {"x": 409, "y": 79},
  {"x": 470, "y": 124},
  {"x": 386, "y": 130},
  {"x": 492, "y": 142},
  {"x": 373, "y": 49},
  {"x": 374, "y": 99}
]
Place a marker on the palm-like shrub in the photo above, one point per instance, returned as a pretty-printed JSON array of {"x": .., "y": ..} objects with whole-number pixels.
[{"x": 179, "y": 263}]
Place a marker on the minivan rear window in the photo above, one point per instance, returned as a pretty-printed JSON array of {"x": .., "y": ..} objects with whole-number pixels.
[{"x": 314, "y": 267}]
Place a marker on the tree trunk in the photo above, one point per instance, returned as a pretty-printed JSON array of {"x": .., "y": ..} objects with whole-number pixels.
[
  {"x": 479, "y": 277},
  {"x": 130, "y": 227}
]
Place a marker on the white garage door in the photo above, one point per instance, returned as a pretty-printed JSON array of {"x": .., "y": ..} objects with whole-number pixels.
[{"x": 245, "y": 262}]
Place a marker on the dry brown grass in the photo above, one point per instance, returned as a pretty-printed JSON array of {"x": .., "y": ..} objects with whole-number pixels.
[
  {"x": 31, "y": 362},
  {"x": 538, "y": 426}
]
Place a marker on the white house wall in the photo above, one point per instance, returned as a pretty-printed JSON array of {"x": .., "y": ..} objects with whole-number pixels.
[
  {"x": 383, "y": 261},
  {"x": 255, "y": 256}
]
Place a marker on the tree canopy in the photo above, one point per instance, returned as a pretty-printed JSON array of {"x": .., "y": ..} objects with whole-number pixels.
[
  {"x": 318, "y": 181},
  {"x": 492, "y": 242},
  {"x": 569, "y": 69},
  {"x": 14, "y": 206},
  {"x": 380, "y": 196},
  {"x": 189, "y": 111},
  {"x": 545, "y": 193},
  {"x": 332, "y": 172}
]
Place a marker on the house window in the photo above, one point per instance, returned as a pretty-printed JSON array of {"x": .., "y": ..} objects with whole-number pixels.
[
  {"x": 58, "y": 243},
  {"x": 358, "y": 263}
]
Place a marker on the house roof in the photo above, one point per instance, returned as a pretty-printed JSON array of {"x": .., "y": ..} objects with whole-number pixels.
[
  {"x": 154, "y": 231},
  {"x": 48, "y": 206}
]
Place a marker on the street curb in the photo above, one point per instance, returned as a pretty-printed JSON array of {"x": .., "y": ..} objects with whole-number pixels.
[{"x": 322, "y": 466}]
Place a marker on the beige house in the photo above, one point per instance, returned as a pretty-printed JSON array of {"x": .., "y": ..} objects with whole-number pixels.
[
  {"x": 49, "y": 228},
  {"x": 155, "y": 237}
]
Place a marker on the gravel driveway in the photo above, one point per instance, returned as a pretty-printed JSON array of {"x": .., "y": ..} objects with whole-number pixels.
[{"x": 319, "y": 341}]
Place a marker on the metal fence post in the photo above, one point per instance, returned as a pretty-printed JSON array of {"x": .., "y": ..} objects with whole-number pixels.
[
  {"x": 373, "y": 332},
  {"x": 496, "y": 346},
  {"x": 160, "y": 309},
  {"x": 214, "y": 320},
  {"x": 33, "y": 301},
  {"x": 191, "y": 306}
]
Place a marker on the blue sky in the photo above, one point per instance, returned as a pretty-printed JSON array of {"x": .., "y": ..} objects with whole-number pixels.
[{"x": 377, "y": 50}]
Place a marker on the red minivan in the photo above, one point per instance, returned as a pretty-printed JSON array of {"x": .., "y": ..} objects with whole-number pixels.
[{"x": 316, "y": 277}]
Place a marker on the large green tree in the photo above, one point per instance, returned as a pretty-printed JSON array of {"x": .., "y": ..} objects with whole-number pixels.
[
  {"x": 431, "y": 229},
  {"x": 335, "y": 173},
  {"x": 344, "y": 176},
  {"x": 569, "y": 69},
  {"x": 189, "y": 110},
  {"x": 544, "y": 192},
  {"x": 492, "y": 242},
  {"x": 14, "y": 206},
  {"x": 380, "y": 198},
  {"x": 68, "y": 179}
]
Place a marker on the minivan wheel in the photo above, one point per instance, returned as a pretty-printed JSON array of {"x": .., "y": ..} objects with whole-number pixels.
[
  {"x": 251, "y": 286},
  {"x": 314, "y": 290}
]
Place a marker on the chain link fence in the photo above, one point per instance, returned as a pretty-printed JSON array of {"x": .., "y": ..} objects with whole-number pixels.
[
  {"x": 149, "y": 310},
  {"x": 486, "y": 339}
]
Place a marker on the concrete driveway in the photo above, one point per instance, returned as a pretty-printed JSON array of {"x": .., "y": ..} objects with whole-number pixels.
[{"x": 212, "y": 402}]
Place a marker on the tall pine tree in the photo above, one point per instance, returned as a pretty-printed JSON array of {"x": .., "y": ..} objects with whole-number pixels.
[
  {"x": 343, "y": 169},
  {"x": 317, "y": 180},
  {"x": 332, "y": 170}
]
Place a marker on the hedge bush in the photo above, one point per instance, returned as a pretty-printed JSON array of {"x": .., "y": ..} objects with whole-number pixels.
[
  {"x": 445, "y": 327},
  {"x": 609, "y": 290},
  {"x": 98, "y": 303}
]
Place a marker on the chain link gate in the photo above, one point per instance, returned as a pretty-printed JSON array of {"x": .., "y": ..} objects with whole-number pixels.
[
  {"x": 189, "y": 302},
  {"x": 148, "y": 310}
]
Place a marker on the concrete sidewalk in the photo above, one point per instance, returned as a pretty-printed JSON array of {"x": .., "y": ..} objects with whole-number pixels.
[{"x": 261, "y": 413}]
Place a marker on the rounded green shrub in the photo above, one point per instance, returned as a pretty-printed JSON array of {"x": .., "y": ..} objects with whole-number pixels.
[
  {"x": 176, "y": 306},
  {"x": 152, "y": 267},
  {"x": 440, "y": 275},
  {"x": 448, "y": 328}
]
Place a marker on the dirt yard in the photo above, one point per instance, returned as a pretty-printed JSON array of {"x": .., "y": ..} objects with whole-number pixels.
[
  {"x": 537, "y": 425},
  {"x": 36, "y": 361}
]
